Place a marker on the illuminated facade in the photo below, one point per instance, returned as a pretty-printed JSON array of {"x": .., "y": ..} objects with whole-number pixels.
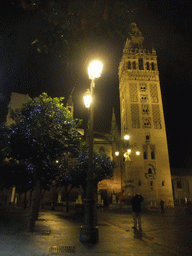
[{"x": 142, "y": 118}]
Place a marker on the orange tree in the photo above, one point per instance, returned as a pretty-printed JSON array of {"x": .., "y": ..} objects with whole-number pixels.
[
  {"x": 103, "y": 167},
  {"x": 72, "y": 172},
  {"x": 43, "y": 130}
]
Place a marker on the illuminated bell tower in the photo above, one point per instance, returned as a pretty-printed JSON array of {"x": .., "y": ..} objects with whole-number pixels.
[{"x": 142, "y": 118}]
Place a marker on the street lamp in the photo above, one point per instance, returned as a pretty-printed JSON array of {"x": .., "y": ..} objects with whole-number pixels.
[
  {"x": 87, "y": 98},
  {"x": 126, "y": 137},
  {"x": 125, "y": 153},
  {"x": 89, "y": 231}
]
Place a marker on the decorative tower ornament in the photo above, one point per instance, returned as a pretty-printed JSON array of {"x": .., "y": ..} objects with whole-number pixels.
[{"x": 142, "y": 116}]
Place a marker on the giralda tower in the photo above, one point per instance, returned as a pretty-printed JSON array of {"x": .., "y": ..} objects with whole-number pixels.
[{"x": 142, "y": 118}]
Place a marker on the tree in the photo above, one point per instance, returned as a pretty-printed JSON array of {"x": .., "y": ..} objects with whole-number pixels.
[
  {"x": 102, "y": 167},
  {"x": 64, "y": 176},
  {"x": 72, "y": 172},
  {"x": 4, "y": 142},
  {"x": 72, "y": 26},
  {"x": 43, "y": 131}
]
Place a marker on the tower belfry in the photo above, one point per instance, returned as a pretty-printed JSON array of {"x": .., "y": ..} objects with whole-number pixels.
[{"x": 142, "y": 116}]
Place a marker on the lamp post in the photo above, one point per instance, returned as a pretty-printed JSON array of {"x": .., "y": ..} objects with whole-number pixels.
[
  {"x": 89, "y": 231},
  {"x": 125, "y": 163}
]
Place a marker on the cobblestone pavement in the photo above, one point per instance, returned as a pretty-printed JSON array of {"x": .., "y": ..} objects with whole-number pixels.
[{"x": 57, "y": 233}]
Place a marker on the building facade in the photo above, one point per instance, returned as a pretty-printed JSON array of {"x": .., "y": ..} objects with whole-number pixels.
[
  {"x": 182, "y": 186},
  {"x": 142, "y": 118}
]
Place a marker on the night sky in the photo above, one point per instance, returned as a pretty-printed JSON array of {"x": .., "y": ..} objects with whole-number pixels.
[{"x": 165, "y": 26}]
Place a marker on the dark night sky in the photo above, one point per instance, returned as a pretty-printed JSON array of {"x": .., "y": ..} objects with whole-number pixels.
[{"x": 165, "y": 25}]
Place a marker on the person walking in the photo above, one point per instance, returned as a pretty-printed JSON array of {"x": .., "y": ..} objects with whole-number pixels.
[{"x": 136, "y": 208}]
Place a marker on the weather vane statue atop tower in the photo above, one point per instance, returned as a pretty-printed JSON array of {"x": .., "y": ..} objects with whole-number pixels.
[{"x": 136, "y": 38}]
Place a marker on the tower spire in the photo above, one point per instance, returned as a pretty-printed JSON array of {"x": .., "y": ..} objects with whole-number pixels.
[
  {"x": 114, "y": 129},
  {"x": 136, "y": 41}
]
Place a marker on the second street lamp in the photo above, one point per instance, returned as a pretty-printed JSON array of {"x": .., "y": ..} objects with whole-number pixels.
[{"x": 89, "y": 231}]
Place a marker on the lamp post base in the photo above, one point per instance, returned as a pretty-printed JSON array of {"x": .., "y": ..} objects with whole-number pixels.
[
  {"x": 89, "y": 232},
  {"x": 89, "y": 235}
]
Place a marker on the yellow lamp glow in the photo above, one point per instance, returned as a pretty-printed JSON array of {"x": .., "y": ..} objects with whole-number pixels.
[
  {"x": 129, "y": 151},
  {"x": 126, "y": 137},
  {"x": 95, "y": 69},
  {"x": 87, "y": 99},
  {"x": 117, "y": 153},
  {"x": 137, "y": 153}
]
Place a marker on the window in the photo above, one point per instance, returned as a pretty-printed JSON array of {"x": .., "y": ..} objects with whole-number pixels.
[
  {"x": 134, "y": 65},
  {"x": 149, "y": 171},
  {"x": 141, "y": 64},
  {"x": 144, "y": 98},
  {"x": 151, "y": 183},
  {"x": 152, "y": 155},
  {"x": 152, "y": 149},
  {"x": 163, "y": 183},
  {"x": 147, "y": 138},
  {"x": 152, "y": 66},
  {"x": 147, "y": 65},
  {"x": 129, "y": 65},
  {"x": 143, "y": 87},
  {"x": 179, "y": 185},
  {"x": 145, "y": 109},
  {"x": 139, "y": 183},
  {"x": 147, "y": 123}
]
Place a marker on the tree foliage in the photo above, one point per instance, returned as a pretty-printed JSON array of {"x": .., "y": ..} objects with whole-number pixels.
[
  {"x": 72, "y": 26},
  {"x": 43, "y": 130},
  {"x": 4, "y": 142},
  {"x": 102, "y": 167}
]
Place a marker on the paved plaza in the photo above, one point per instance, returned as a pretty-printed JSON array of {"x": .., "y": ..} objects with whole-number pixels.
[{"x": 57, "y": 233}]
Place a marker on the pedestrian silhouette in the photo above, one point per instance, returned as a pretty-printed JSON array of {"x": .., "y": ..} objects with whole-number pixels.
[{"x": 136, "y": 208}]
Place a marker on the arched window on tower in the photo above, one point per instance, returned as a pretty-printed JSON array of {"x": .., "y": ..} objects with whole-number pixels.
[
  {"x": 147, "y": 138},
  {"x": 145, "y": 147},
  {"x": 152, "y": 155},
  {"x": 147, "y": 122},
  {"x": 144, "y": 98},
  {"x": 145, "y": 109},
  {"x": 147, "y": 65},
  {"x": 134, "y": 65},
  {"x": 152, "y": 151},
  {"x": 152, "y": 66},
  {"x": 141, "y": 64},
  {"x": 128, "y": 65}
]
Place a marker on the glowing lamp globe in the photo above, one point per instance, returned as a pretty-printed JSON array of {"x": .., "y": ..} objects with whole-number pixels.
[
  {"x": 129, "y": 151},
  {"x": 126, "y": 137},
  {"x": 95, "y": 69},
  {"x": 87, "y": 98}
]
